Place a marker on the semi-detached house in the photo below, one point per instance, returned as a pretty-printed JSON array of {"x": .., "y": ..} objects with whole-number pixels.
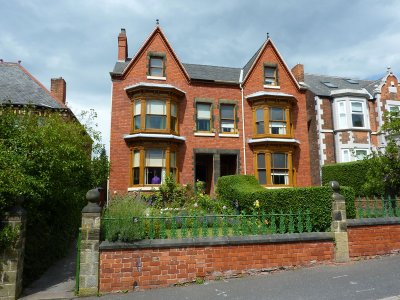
[{"x": 200, "y": 122}]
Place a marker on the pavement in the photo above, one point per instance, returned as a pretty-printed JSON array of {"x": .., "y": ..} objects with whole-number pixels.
[
  {"x": 373, "y": 279},
  {"x": 58, "y": 282}
]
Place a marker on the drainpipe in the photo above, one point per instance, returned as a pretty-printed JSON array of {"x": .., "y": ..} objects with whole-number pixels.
[{"x": 244, "y": 134}]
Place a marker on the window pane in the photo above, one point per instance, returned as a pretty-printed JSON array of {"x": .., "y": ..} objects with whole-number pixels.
[
  {"x": 269, "y": 72},
  {"x": 361, "y": 154},
  {"x": 138, "y": 107},
  {"x": 203, "y": 125},
  {"x": 260, "y": 127},
  {"x": 156, "y": 62},
  {"x": 227, "y": 111},
  {"x": 259, "y": 114},
  {"x": 279, "y": 160},
  {"x": 227, "y": 126},
  {"x": 156, "y": 107},
  {"x": 262, "y": 178},
  {"x": 155, "y": 158},
  {"x": 154, "y": 175},
  {"x": 356, "y": 107},
  {"x": 345, "y": 154},
  {"x": 137, "y": 122},
  {"x": 136, "y": 175},
  {"x": 261, "y": 161},
  {"x": 156, "y": 122},
  {"x": 172, "y": 159},
  {"x": 277, "y": 127},
  {"x": 136, "y": 158},
  {"x": 279, "y": 177},
  {"x": 276, "y": 113},
  {"x": 203, "y": 111},
  {"x": 156, "y": 72},
  {"x": 393, "y": 108},
  {"x": 173, "y": 109},
  {"x": 358, "y": 120}
]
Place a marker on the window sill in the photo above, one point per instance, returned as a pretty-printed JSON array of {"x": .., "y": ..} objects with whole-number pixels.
[
  {"x": 156, "y": 78},
  {"x": 276, "y": 87},
  {"x": 143, "y": 188},
  {"x": 204, "y": 134},
  {"x": 229, "y": 135}
]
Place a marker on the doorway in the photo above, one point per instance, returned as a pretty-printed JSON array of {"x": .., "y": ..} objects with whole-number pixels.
[
  {"x": 204, "y": 170},
  {"x": 228, "y": 163}
]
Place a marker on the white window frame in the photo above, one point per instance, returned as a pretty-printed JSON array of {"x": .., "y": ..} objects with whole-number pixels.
[
  {"x": 349, "y": 154},
  {"x": 343, "y": 113}
]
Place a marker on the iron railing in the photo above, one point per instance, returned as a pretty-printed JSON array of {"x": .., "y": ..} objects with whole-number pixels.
[
  {"x": 203, "y": 226},
  {"x": 377, "y": 207}
]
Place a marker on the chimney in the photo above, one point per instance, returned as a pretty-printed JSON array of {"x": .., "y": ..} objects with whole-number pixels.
[
  {"x": 58, "y": 89},
  {"x": 122, "y": 45},
  {"x": 298, "y": 72}
]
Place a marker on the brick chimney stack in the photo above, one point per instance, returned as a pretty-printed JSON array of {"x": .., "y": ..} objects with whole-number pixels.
[
  {"x": 122, "y": 45},
  {"x": 298, "y": 72},
  {"x": 58, "y": 89}
]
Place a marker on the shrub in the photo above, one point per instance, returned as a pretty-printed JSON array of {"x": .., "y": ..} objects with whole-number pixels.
[
  {"x": 352, "y": 174},
  {"x": 245, "y": 190},
  {"x": 118, "y": 223}
]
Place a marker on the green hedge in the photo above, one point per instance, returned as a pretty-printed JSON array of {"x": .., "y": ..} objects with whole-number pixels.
[
  {"x": 352, "y": 174},
  {"x": 245, "y": 190}
]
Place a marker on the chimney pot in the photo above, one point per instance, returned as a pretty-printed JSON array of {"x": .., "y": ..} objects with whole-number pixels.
[{"x": 58, "y": 89}]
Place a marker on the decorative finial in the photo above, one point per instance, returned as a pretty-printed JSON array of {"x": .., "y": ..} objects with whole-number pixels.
[
  {"x": 157, "y": 22},
  {"x": 267, "y": 35},
  {"x": 389, "y": 70}
]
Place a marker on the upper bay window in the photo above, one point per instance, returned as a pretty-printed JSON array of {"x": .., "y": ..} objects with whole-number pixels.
[
  {"x": 272, "y": 118},
  {"x": 351, "y": 114},
  {"x": 155, "y": 115}
]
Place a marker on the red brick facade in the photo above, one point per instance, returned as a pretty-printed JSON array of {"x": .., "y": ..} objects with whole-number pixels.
[
  {"x": 165, "y": 267},
  {"x": 136, "y": 72}
]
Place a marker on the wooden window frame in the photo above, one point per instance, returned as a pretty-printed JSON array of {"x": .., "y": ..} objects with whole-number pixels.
[
  {"x": 168, "y": 149},
  {"x": 235, "y": 130},
  {"x": 266, "y": 105},
  {"x": 211, "y": 116},
  {"x": 268, "y": 166},
  {"x": 143, "y": 114}
]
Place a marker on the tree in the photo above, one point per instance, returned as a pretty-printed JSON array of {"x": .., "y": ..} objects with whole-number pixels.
[
  {"x": 47, "y": 159},
  {"x": 382, "y": 177}
]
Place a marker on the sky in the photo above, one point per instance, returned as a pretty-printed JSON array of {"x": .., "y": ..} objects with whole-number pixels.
[{"x": 77, "y": 40}]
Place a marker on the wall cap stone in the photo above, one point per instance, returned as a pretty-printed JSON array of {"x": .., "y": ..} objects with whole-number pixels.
[
  {"x": 373, "y": 221},
  {"x": 220, "y": 241}
]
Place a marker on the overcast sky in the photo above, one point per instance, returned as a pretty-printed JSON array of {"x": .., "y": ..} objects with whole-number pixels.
[{"x": 78, "y": 39}]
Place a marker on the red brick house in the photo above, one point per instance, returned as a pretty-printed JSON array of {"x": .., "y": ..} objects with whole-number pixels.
[
  {"x": 349, "y": 114},
  {"x": 200, "y": 122}
]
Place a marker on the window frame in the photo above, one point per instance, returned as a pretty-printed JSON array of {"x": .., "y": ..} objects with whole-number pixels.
[
  {"x": 167, "y": 149},
  {"x": 350, "y": 154},
  {"x": 158, "y": 56},
  {"x": 197, "y": 118},
  {"x": 144, "y": 99},
  {"x": 344, "y": 113},
  {"x": 234, "y": 119},
  {"x": 275, "y": 77},
  {"x": 268, "y": 154},
  {"x": 266, "y": 106}
]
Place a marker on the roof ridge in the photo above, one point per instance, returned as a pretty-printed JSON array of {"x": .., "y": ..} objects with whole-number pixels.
[{"x": 211, "y": 66}]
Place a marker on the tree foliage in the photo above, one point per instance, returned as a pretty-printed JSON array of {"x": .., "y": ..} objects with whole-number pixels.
[
  {"x": 382, "y": 177},
  {"x": 47, "y": 159}
]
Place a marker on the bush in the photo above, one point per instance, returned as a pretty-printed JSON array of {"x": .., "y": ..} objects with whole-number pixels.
[
  {"x": 118, "y": 223},
  {"x": 352, "y": 174},
  {"x": 245, "y": 190}
]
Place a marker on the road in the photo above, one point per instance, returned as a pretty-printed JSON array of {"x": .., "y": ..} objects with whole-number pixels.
[{"x": 367, "y": 279}]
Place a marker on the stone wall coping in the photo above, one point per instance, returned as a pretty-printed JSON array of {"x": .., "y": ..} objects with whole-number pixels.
[
  {"x": 373, "y": 221},
  {"x": 220, "y": 241}
]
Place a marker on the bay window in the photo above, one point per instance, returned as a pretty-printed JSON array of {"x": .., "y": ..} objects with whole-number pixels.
[
  {"x": 351, "y": 113},
  {"x": 156, "y": 115},
  {"x": 274, "y": 167}
]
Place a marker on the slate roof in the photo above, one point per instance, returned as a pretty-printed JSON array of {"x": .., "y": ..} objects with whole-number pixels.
[
  {"x": 213, "y": 73},
  {"x": 247, "y": 67},
  {"x": 19, "y": 87},
  {"x": 316, "y": 84}
]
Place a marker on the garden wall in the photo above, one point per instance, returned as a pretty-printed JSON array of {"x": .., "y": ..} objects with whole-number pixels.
[
  {"x": 370, "y": 237},
  {"x": 158, "y": 263}
]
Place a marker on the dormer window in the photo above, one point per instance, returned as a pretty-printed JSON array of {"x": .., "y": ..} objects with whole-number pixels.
[
  {"x": 156, "y": 66},
  {"x": 271, "y": 75}
]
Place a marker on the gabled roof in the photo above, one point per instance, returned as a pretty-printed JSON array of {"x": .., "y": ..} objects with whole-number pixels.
[
  {"x": 316, "y": 84},
  {"x": 18, "y": 86}
]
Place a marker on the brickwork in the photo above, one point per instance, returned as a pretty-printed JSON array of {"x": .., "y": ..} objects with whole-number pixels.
[
  {"x": 329, "y": 151},
  {"x": 373, "y": 240},
  {"x": 326, "y": 107},
  {"x": 149, "y": 268}
]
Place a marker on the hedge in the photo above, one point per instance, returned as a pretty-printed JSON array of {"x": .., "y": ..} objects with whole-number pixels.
[
  {"x": 352, "y": 174},
  {"x": 245, "y": 190}
]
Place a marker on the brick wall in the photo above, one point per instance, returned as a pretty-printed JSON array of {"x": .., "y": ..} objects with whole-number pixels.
[
  {"x": 159, "y": 267},
  {"x": 374, "y": 239}
]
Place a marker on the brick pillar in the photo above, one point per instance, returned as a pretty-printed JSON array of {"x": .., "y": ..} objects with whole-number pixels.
[
  {"x": 90, "y": 240},
  {"x": 339, "y": 224},
  {"x": 12, "y": 259}
]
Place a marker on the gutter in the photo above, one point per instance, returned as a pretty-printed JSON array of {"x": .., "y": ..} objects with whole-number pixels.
[{"x": 243, "y": 134}]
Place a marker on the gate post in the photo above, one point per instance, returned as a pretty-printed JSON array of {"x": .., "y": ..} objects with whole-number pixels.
[
  {"x": 89, "y": 248},
  {"x": 339, "y": 224}
]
